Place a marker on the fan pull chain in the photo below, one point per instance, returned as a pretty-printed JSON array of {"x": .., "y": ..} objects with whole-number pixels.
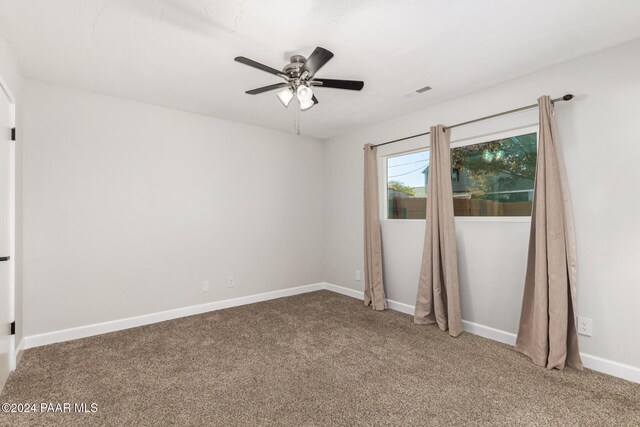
[{"x": 296, "y": 122}]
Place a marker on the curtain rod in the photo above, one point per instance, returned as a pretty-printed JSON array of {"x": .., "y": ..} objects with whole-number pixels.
[{"x": 567, "y": 97}]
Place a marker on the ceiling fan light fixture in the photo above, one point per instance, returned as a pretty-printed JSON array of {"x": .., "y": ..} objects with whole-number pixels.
[
  {"x": 304, "y": 94},
  {"x": 285, "y": 96},
  {"x": 305, "y": 105}
]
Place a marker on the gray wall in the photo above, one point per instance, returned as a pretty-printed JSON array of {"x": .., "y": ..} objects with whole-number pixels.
[
  {"x": 600, "y": 139},
  {"x": 128, "y": 207}
]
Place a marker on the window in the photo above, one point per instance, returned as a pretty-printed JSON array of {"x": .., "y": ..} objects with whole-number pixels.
[
  {"x": 492, "y": 178},
  {"x": 407, "y": 185}
]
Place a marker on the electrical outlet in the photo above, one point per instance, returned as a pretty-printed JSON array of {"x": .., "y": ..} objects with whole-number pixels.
[
  {"x": 584, "y": 326},
  {"x": 205, "y": 286},
  {"x": 231, "y": 282},
  {"x": 358, "y": 275}
]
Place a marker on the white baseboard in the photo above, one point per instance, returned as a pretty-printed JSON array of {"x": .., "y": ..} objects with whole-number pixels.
[
  {"x": 17, "y": 354},
  {"x": 610, "y": 367},
  {"x": 13, "y": 353},
  {"x": 393, "y": 305},
  {"x": 490, "y": 333},
  {"x": 132, "y": 322},
  {"x": 599, "y": 364},
  {"x": 344, "y": 291},
  {"x": 20, "y": 346}
]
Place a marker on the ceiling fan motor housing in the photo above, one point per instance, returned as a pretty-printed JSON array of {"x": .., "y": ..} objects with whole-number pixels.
[{"x": 293, "y": 69}]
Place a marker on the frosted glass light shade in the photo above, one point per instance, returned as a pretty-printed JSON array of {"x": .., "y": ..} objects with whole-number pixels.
[
  {"x": 304, "y": 93},
  {"x": 305, "y": 105},
  {"x": 285, "y": 96}
]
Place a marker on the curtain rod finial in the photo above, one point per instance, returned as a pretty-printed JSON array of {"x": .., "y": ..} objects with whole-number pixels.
[{"x": 567, "y": 97}]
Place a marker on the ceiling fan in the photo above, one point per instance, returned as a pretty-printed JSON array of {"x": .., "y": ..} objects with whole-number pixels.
[{"x": 299, "y": 76}]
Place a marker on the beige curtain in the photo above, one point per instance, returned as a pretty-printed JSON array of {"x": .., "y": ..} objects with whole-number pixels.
[
  {"x": 438, "y": 298},
  {"x": 547, "y": 331},
  {"x": 373, "y": 283}
]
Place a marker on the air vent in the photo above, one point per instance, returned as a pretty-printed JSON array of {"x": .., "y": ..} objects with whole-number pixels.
[{"x": 423, "y": 89}]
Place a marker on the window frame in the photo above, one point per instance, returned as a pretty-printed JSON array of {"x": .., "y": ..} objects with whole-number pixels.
[{"x": 419, "y": 145}]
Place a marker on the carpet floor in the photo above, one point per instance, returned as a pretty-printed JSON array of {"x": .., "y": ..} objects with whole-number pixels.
[{"x": 314, "y": 359}]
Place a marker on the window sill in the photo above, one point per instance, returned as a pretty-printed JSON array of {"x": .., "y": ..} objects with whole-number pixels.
[
  {"x": 493, "y": 219},
  {"x": 526, "y": 219}
]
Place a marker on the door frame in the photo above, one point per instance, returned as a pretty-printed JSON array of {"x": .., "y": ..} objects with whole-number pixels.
[{"x": 12, "y": 224}]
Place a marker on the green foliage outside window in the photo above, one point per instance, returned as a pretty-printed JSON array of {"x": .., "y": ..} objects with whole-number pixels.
[
  {"x": 495, "y": 168},
  {"x": 398, "y": 186}
]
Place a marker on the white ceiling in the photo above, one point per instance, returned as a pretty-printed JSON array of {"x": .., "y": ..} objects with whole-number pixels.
[{"x": 179, "y": 53}]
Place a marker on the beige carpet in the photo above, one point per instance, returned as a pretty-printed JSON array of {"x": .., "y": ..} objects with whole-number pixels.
[{"x": 313, "y": 359}]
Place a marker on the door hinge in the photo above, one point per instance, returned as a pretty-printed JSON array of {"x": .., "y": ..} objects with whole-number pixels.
[
  {"x": 13, "y": 134},
  {"x": 13, "y": 327}
]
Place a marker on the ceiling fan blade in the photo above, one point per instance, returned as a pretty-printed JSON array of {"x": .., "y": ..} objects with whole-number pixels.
[
  {"x": 340, "y": 84},
  {"x": 266, "y": 88},
  {"x": 315, "y": 100},
  {"x": 259, "y": 66},
  {"x": 318, "y": 58}
]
